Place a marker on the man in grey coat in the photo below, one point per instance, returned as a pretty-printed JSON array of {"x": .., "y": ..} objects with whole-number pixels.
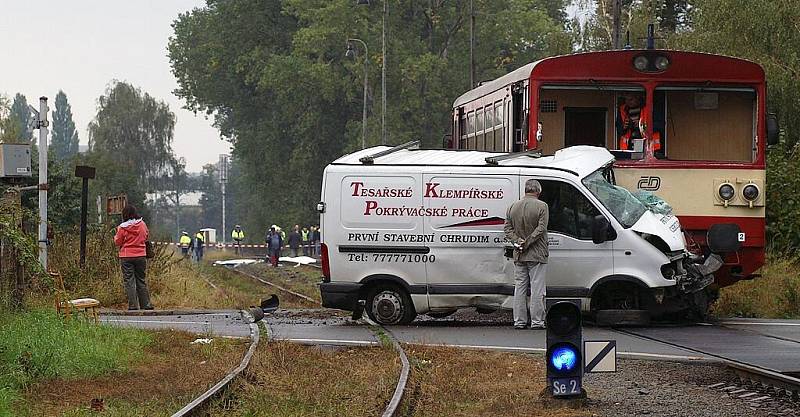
[{"x": 526, "y": 229}]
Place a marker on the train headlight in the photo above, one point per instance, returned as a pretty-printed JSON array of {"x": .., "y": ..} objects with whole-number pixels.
[
  {"x": 640, "y": 63},
  {"x": 662, "y": 63},
  {"x": 726, "y": 192},
  {"x": 750, "y": 192}
]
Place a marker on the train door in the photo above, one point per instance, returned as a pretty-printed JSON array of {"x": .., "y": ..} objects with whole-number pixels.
[{"x": 585, "y": 126}]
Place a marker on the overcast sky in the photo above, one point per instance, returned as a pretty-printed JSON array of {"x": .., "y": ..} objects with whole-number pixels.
[{"x": 79, "y": 46}]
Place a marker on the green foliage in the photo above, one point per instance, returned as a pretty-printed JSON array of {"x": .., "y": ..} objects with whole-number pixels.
[
  {"x": 274, "y": 76},
  {"x": 38, "y": 345},
  {"x": 21, "y": 114},
  {"x": 64, "y": 139},
  {"x": 130, "y": 141},
  {"x": 771, "y": 40}
]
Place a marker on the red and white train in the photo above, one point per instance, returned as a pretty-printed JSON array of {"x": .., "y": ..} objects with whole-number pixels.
[{"x": 702, "y": 126}]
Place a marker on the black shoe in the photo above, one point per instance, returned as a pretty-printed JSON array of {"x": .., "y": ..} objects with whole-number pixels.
[
  {"x": 133, "y": 309},
  {"x": 149, "y": 308}
]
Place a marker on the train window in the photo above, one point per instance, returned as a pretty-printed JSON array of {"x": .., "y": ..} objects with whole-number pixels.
[
  {"x": 498, "y": 113},
  {"x": 471, "y": 123},
  {"x": 479, "y": 124},
  {"x": 581, "y": 114},
  {"x": 712, "y": 124}
]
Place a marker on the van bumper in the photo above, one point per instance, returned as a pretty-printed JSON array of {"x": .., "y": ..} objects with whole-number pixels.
[{"x": 340, "y": 295}]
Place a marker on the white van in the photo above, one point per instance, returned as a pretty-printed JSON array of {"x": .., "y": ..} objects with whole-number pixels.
[{"x": 409, "y": 232}]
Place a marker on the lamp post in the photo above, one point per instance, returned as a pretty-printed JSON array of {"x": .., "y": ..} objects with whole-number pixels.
[
  {"x": 383, "y": 67},
  {"x": 350, "y": 54}
]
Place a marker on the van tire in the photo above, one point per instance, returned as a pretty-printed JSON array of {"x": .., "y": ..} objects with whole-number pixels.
[
  {"x": 388, "y": 304},
  {"x": 632, "y": 318}
]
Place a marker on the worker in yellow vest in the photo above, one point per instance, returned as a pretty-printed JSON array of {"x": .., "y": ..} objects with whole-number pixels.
[
  {"x": 304, "y": 238},
  {"x": 238, "y": 236},
  {"x": 185, "y": 243},
  {"x": 199, "y": 241}
]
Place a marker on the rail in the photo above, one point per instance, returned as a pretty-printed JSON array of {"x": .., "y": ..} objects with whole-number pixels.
[
  {"x": 217, "y": 389},
  {"x": 394, "y": 404},
  {"x": 276, "y": 286}
]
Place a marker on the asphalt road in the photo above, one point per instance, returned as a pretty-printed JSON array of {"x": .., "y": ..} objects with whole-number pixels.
[{"x": 771, "y": 344}]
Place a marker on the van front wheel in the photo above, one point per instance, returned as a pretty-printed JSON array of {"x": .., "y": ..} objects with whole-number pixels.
[{"x": 389, "y": 304}]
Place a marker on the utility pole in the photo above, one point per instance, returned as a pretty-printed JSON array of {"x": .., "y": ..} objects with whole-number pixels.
[
  {"x": 41, "y": 123},
  {"x": 616, "y": 36},
  {"x": 223, "y": 178},
  {"x": 86, "y": 173},
  {"x": 472, "y": 44}
]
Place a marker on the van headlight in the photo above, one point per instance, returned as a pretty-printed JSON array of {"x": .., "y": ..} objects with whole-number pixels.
[
  {"x": 726, "y": 191},
  {"x": 750, "y": 192}
]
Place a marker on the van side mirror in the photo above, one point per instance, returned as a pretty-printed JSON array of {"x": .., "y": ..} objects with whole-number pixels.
[
  {"x": 773, "y": 129},
  {"x": 602, "y": 230}
]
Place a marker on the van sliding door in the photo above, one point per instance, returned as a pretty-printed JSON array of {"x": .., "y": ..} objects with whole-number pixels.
[{"x": 467, "y": 266}]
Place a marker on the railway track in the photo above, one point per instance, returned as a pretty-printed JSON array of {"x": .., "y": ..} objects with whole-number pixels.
[{"x": 756, "y": 383}]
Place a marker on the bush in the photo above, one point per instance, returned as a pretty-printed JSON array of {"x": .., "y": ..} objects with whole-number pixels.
[
  {"x": 101, "y": 278},
  {"x": 775, "y": 295},
  {"x": 783, "y": 203}
]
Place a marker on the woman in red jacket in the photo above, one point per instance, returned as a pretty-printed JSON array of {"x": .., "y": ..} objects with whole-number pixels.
[{"x": 131, "y": 236}]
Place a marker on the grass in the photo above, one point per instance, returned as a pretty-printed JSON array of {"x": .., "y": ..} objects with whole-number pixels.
[
  {"x": 459, "y": 382},
  {"x": 775, "y": 295},
  {"x": 286, "y": 379},
  {"x": 38, "y": 346},
  {"x": 171, "y": 373}
]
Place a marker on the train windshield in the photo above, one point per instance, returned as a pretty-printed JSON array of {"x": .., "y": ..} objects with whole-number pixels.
[{"x": 626, "y": 208}]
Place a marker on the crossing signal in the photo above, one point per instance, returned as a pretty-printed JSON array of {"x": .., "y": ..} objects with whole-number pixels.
[{"x": 564, "y": 343}]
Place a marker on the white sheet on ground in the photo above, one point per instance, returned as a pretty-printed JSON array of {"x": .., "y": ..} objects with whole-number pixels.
[
  {"x": 236, "y": 262},
  {"x": 300, "y": 260}
]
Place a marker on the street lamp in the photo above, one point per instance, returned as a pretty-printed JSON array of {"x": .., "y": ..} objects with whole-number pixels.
[
  {"x": 351, "y": 53},
  {"x": 383, "y": 68}
]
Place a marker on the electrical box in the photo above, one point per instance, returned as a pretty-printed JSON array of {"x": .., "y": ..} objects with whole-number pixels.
[{"x": 15, "y": 160}]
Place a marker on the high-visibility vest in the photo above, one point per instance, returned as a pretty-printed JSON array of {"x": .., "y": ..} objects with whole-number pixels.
[
  {"x": 237, "y": 234},
  {"x": 200, "y": 238},
  {"x": 185, "y": 241},
  {"x": 304, "y": 234},
  {"x": 644, "y": 116}
]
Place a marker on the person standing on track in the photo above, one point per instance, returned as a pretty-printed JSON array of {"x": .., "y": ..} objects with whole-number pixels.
[
  {"x": 294, "y": 240},
  {"x": 274, "y": 245},
  {"x": 185, "y": 243},
  {"x": 130, "y": 238},
  {"x": 238, "y": 236},
  {"x": 526, "y": 228},
  {"x": 304, "y": 234},
  {"x": 199, "y": 241}
]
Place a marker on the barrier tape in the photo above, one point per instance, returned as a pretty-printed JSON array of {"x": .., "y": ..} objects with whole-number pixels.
[{"x": 227, "y": 245}]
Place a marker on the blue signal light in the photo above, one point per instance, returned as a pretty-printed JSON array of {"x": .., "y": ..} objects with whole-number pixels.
[{"x": 564, "y": 358}]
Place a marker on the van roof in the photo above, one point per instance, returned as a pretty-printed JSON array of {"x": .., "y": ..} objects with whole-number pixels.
[{"x": 578, "y": 160}]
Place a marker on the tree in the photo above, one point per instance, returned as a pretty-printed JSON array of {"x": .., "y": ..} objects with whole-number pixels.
[
  {"x": 64, "y": 141},
  {"x": 130, "y": 141},
  {"x": 273, "y": 75},
  {"x": 765, "y": 32},
  {"x": 21, "y": 114}
]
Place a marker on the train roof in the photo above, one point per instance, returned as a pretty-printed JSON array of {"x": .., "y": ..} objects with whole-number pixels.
[
  {"x": 577, "y": 160},
  {"x": 582, "y": 67}
]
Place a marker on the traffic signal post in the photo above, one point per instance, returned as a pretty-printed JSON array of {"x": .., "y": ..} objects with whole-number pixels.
[
  {"x": 568, "y": 356},
  {"x": 564, "y": 355}
]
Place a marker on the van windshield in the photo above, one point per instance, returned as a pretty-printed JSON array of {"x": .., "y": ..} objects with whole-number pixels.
[{"x": 626, "y": 208}]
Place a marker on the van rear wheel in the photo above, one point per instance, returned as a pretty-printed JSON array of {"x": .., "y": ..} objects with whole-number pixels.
[{"x": 389, "y": 304}]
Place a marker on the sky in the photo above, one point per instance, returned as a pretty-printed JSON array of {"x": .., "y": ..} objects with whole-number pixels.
[{"x": 80, "y": 46}]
